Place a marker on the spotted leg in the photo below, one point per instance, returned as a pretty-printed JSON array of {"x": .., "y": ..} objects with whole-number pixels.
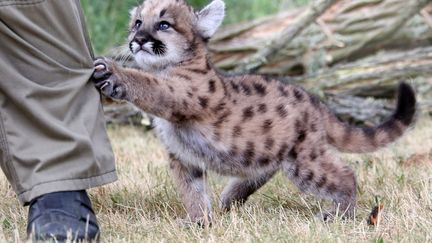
[{"x": 191, "y": 183}]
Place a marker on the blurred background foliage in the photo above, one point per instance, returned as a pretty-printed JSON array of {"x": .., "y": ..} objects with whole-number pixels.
[{"x": 107, "y": 20}]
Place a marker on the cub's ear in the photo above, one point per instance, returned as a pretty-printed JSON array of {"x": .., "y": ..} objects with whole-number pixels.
[
  {"x": 210, "y": 18},
  {"x": 133, "y": 12}
]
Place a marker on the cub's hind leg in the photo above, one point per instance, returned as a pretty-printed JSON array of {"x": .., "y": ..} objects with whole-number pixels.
[
  {"x": 239, "y": 189},
  {"x": 320, "y": 172},
  {"x": 192, "y": 185}
]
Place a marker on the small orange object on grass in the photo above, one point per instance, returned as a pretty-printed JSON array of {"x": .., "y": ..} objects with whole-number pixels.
[
  {"x": 417, "y": 159},
  {"x": 376, "y": 215}
]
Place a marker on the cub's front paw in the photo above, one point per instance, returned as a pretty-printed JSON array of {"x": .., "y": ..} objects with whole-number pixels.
[{"x": 106, "y": 79}]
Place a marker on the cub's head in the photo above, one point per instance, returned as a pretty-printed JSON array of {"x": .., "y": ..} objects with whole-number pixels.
[{"x": 167, "y": 32}]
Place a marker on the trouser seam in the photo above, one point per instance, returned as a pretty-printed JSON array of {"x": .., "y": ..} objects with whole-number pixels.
[{"x": 8, "y": 156}]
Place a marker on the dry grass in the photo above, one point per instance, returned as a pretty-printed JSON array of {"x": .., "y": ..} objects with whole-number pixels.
[{"x": 143, "y": 205}]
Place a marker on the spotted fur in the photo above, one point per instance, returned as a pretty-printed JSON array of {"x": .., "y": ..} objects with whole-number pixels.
[{"x": 246, "y": 126}]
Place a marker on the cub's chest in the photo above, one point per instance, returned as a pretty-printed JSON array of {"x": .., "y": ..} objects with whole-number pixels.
[{"x": 190, "y": 143}]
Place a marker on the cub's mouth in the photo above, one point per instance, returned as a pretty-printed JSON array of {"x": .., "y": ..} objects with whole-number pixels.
[
  {"x": 135, "y": 48},
  {"x": 153, "y": 47}
]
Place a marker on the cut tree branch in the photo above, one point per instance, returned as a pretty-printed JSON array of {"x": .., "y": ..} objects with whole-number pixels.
[
  {"x": 316, "y": 9},
  {"x": 427, "y": 17},
  {"x": 409, "y": 9},
  {"x": 362, "y": 28}
]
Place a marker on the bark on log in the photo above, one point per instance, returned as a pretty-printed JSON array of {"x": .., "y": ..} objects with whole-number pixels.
[
  {"x": 363, "y": 90},
  {"x": 315, "y": 10},
  {"x": 347, "y": 31},
  {"x": 371, "y": 75}
]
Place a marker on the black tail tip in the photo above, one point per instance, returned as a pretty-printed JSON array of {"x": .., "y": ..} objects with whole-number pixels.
[{"x": 406, "y": 104}]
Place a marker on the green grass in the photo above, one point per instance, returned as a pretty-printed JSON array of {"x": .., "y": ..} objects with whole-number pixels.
[
  {"x": 144, "y": 206},
  {"x": 107, "y": 19}
]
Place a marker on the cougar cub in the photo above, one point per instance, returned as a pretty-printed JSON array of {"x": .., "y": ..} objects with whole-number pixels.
[{"x": 247, "y": 127}]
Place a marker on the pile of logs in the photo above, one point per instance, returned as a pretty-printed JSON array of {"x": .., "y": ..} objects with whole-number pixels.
[{"x": 352, "y": 53}]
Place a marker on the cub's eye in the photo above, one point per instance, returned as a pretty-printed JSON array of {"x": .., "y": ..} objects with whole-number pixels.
[
  {"x": 163, "y": 25},
  {"x": 138, "y": 24}
]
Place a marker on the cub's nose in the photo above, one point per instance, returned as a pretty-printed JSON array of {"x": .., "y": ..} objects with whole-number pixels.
[{"x": 141, "y": 40}]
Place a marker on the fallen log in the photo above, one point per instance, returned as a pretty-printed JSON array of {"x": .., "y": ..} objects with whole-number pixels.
[
  {"x": 364, "y": 90},
  {"x": 373, "y": 75},
  {"x": 347, "y": 31}
]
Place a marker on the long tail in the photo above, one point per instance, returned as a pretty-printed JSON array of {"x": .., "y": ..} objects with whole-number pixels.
[{"x": 351, "y": 139}]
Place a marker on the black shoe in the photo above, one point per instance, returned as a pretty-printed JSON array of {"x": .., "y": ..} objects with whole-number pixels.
[{"x": 55, "y": 215}]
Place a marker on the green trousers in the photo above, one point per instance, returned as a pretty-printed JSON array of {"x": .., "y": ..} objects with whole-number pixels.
[{"x": 52, "y": 130}]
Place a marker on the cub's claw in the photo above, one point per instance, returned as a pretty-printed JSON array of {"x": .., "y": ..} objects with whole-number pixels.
[
  {"x": 100, "y": 67},
  {"x": 106, "y": 80},
  {"x": 106, "y": 84}
]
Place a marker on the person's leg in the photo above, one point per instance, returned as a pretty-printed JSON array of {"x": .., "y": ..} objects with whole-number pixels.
[{"x": 52, "y": 132}]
